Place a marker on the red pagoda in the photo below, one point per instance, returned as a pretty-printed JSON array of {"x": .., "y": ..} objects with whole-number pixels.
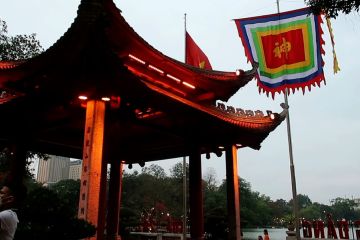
[{"x": 103, "y": 94}]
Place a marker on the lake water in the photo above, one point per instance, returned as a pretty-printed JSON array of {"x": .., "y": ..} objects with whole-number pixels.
[{"x": 274, "y": 233}]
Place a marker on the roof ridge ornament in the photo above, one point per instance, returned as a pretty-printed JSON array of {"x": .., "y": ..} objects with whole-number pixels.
[
  {"x": 239, "y": 112},
  {"x": 90, "y": 10}
]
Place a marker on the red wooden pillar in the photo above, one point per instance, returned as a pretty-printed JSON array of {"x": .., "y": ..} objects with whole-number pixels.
[
  {"x": 91, "y": 192},
  {"x": 115, "y": 188},
  {"x": 233, "y": 196},
  {"x": 196, "y": 197}
]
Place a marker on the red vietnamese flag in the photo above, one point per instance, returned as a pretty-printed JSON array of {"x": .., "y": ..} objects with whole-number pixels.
[{"x": 194, "y": 55}]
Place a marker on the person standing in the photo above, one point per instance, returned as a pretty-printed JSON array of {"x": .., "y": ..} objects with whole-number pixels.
[
  {"x": 266, "y": 235},
  {"x": 8, "y": 216}
]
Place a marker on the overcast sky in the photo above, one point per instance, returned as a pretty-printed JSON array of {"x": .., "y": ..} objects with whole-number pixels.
[{"x": 324, "y": 122}]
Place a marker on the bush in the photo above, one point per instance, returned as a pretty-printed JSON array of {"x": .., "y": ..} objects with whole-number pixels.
[{"x": 46, "y": 216}]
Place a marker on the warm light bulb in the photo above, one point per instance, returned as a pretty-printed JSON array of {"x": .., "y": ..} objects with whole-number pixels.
[
  {"x": 105, "y": 99},
  {"x": 82, "y": 97}
]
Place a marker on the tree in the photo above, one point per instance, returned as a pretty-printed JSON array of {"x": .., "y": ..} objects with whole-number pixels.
[
  {"x": 146, "y": 191},
  {"x": 314, "y": 211},
  {"x": 6, "y": 156},
  {"x": 302, "y": 200},
  {"x": 17, "y": 47},
  {"x": 333, "y": 7},
  {"x": 143, "y": 192},
  {"x": 176, "y": 171},
  {"x": 280, "y": 208},
  {"x": 154, "y": 170},
  {"x": 45, "y": 215},
  {"x": 210, "y": 179},
  {"x": 256, "y": 210},
  {"x": 344, "y": 208},
  {"x": 215, "y": 211},
  {"x": 68, "y": 190}
]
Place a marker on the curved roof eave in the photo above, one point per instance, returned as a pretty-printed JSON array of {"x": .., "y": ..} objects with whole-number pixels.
[
  {"x": 259, "y": 124},
  {"x": 10, "y": 64},
  {"x": 126, "y": 40},
  {"x": 123, "y": 39}
]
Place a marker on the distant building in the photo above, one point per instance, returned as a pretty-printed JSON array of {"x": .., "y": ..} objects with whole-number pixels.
[
  {"x": 54, "y": 169},
  {"x": 75, "y": 169}
]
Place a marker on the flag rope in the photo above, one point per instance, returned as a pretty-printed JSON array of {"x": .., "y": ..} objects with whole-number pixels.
[{"x": 335, "y": 64}]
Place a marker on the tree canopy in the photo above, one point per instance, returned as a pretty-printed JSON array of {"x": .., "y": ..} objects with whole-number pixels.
[
  {"x": 150, "y": 190},
  {"x": 51, "y": 213},
  {"x": 47, "y": 213},
  {"x": 333, "y": 7},
  {"x": 18, "y": 47}
]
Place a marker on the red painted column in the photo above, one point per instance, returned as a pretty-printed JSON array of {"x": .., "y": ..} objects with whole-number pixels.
[
  {"x": 115, "y": 188},
  {"x": 233, "y": 195},
  {"x": 92, "y": 167},
  {"x": 196, "y": 197}
]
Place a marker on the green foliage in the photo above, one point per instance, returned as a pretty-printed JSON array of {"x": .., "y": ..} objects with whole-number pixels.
[
  {"x": 303, "y": 201},
  {"x": 215, "y": 210},
  {"x": 216, "y": 223},
  {"x": 47, "y": 215},
  {"x": 69, "y": 191},
  {"x": 17, "y": 47},
  {"x": 50, "y": 213},
  {"x": 314, "y": 211},
  {"x": 257, "y": 210},
  {"x": 279, "y": 208},
  {"x": 129, "y": 218},
  {"x": 154, "y": 170},
  {"x": 333, "y": 7},
  {"x": 6, "y": 157},
  {"x": 210, "y": 180},
  {"x": 344, "y": 208},
  {"x": 144, "y": 191},
  {"x": 176, "y": 171},
  {"x": 289, "y": 221},
  {"x": 12, "y": 48}
]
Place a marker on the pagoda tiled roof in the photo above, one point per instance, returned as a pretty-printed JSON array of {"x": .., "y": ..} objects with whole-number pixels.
[{"x": 163, "y": 105}]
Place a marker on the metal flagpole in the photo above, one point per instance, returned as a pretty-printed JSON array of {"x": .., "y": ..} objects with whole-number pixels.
[
  {"x": 184, "y": 167},
  {"x": 292, "y": 166},
  {"x": 184, "y": 199},
  {"x": 185, "y": 31}
]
